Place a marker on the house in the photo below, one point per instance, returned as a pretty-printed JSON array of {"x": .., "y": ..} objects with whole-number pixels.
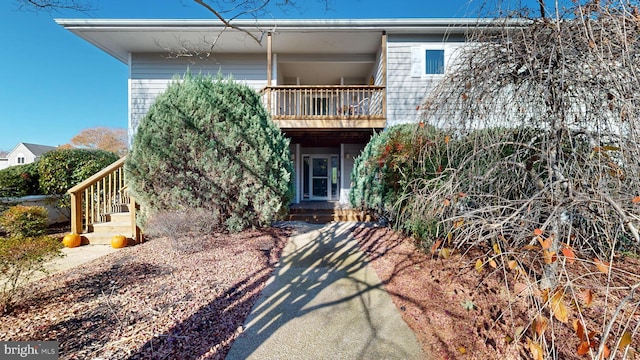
[
  {"x": 4, "y": 161},
  {"x": 24, "y": 153},
  {"x": 328, "y": 84}
]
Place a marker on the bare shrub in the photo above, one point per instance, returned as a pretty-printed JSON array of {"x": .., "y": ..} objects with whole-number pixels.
[
  {"x": 187, "y": 228},
  {"x": 20, "y": 259},
  {"x": 543, "y": 117}
]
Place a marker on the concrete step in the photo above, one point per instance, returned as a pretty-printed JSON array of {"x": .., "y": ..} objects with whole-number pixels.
[{"x": 324, "y": 217}]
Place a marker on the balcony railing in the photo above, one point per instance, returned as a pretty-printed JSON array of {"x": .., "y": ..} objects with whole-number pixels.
[{"x": 325, "y": 102}]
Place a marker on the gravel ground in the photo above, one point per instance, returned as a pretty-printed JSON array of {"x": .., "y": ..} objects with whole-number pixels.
[{"x": 163, "y": 299}]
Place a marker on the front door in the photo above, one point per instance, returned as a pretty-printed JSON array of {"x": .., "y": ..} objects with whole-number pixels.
[{"x": 320, "y": 178}]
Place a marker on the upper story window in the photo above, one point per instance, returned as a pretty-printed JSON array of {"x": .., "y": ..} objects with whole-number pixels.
[
  {"x": 428, "y": 61},
  {"x": 21, "y": 160},
  {"x": 434, "y": 62}
]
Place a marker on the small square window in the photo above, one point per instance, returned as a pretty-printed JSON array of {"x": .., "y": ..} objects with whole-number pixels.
[{"x": 434, "y": 61}]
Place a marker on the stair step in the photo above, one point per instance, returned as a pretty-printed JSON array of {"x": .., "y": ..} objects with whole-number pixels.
[
  {"x": 102, "y": 238},
  {"x": 111, "y": 227},
  {"x": 323, "y": 217},
  {"x": 118, "y": 217}
]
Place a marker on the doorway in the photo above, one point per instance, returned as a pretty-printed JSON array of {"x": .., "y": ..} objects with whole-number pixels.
[{"x": 320, "y": 177}]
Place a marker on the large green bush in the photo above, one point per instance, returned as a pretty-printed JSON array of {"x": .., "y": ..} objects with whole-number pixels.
[
  {"x": 391, "y": 162},
  {"x": 62, "y": 169},
  {"x": 19, "y": 180},
  {"x": 209, "y": 144}
]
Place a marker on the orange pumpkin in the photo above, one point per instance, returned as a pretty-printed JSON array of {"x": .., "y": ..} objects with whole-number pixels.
[
  {"x": 118, "y": 241},
  {"x": 71, "y": 240}
]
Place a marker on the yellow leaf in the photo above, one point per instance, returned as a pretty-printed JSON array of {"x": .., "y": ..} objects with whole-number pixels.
[
  {"x": 447, "y": 138},
  {"x": 479, "y": 265},
  {"x": 496, "y": 248},
  {"x": 625, "y": 340},
  {"x": 493, "y": 264},
  {"x": 546, "y": 244},
  {"x": 536, "y": 350},
  {"x": 558, "y": 308},
  {"x": 602, "y": 266},
  {"x": 462, "y": 350},
  {"x": 446, "y": 202},
  {"x": 445, "y": 253},
  {"x": 458, "y": 223},
  {"x": 636, "y": 200},
  {"x": 512, "y": 264},
  {"x": 549, "y": 256}
]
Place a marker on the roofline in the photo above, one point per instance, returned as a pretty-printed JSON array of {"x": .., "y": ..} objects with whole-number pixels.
[{"x": 389, "y": 25}]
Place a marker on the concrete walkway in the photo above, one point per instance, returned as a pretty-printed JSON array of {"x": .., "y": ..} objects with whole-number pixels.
[
  {"x": 74, "y": 257},
  {"x": 324, "y": 302}
]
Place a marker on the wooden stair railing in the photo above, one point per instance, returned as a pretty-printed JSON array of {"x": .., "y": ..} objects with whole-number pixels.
[{"x": 100, "y": 195}]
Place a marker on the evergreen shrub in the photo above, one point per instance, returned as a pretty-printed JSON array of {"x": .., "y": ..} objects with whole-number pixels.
[
  {"x": 209, "y": 144},
  {"x": 19, "y": 180},
  {"x": 62, "y": 169},
  {"x": 392, "y": 160}
]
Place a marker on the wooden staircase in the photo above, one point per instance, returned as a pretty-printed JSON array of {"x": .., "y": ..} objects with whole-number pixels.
[
  {"x": 325, "y": 212},
  {"x": 101, "y": 207},
  {"x": 115, "y": 224}
]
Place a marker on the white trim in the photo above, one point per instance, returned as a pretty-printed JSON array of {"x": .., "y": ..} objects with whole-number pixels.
[
  {"x": 298, "y": 169},
  {"x": 419, "y": 59}
]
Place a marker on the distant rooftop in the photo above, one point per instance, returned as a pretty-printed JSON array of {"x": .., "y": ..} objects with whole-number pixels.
[{"x": 37, "y": 149}]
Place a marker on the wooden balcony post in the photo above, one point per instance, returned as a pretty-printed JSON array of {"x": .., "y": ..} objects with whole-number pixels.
[
  {"x": 269, "y": 71},
  {"x": 383, "y": 81},
  {"x": 76, "y": 212}
]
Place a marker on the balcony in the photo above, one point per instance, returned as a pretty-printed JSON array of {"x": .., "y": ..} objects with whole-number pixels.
[{"x": 326, "y": 106}]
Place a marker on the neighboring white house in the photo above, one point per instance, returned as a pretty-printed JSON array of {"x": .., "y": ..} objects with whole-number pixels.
[
  {"x": 4, "y": 162},
  {"x": 328, "y": 84},
  {"x": 23, "y": 153}
]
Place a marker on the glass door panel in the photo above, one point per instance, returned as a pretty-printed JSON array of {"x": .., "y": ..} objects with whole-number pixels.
[{"x": 320, "y": 178}]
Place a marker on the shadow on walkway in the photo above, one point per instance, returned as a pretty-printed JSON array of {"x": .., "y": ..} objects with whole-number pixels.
[{"x": 324, "y": 302}]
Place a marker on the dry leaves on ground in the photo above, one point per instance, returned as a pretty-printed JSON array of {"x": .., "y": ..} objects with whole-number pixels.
[
  {"x": 151, "y": 301},
  {"x": 458, "y": 312}
]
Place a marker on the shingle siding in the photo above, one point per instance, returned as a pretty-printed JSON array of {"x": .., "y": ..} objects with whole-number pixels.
[
  {"x": 152, "y": 73},
  {"x": 404, "y": 92}
]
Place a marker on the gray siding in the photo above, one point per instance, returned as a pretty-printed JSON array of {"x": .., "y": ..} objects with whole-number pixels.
[
  {"x": 151, "y": 74},
  {"x": 405, "y": 93}
]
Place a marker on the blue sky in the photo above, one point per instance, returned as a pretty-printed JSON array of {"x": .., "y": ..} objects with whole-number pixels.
[{"x": 54, "y": 84}]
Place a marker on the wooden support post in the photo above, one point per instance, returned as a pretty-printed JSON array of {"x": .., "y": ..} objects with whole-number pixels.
[
  {"x": 269, "y": 71},
  {"x": 76, "y": 212},
  {"x": 383, "y": 81},
  {"x": 135, "y": 231}
]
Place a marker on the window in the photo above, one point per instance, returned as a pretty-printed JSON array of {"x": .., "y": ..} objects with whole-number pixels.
[
  {"x": 21, "y": 160},
  {"x": 428, "y": 61},
  {"x": 434, "y": 62}
]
